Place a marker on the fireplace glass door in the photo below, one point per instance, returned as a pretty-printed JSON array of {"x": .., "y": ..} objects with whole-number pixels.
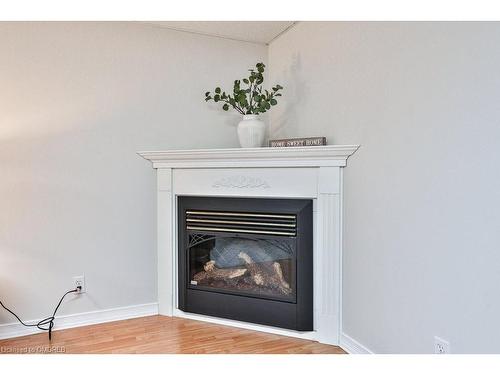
[{"x": 259, "y": 265}]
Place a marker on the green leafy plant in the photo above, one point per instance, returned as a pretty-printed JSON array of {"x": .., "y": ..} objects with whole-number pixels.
[{"x": 248, "y": 97}]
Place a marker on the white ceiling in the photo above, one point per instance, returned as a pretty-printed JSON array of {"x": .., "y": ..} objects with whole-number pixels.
[{"x": 249, "y": 31}]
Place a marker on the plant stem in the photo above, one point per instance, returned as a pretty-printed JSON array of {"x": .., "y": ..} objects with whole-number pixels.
[
  {"x": 235, "y": 107},
  {"x": 251, "y": 98}
]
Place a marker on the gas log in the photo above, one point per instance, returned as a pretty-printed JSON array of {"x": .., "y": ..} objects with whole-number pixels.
[
  {"x": 212, "y": 272},
  {"x": 266, "y": 276},
  {"x": 255, "y": 276}
]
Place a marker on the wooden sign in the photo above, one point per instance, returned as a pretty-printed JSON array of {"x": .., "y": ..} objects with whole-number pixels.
[{"x": 298, "y": 142}]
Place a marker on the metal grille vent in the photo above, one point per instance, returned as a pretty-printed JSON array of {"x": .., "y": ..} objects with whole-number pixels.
[{"x": 242, "y": 222}]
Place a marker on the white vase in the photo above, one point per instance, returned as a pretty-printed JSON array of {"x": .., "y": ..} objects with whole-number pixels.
[{"x": 251, "y": 131}]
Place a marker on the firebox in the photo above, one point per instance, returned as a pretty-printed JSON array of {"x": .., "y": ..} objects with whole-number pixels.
[{"x": 247, "y": 259}]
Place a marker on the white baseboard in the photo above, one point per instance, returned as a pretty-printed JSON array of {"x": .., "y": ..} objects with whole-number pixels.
[
  {"x": 351, "y": 346},
  {"x": 83, "y": 319}
]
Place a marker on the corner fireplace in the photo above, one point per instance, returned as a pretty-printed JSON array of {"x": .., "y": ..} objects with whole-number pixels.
[{"x": 247, "y": 259}]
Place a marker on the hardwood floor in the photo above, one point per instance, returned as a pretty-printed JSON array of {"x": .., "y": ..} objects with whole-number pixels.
[{"x": 160, "y": 334}]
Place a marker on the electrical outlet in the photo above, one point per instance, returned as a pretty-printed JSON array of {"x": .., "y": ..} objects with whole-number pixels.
[
  {"x": 441, "y": 346},
  {"x": 79, "y": 281}
]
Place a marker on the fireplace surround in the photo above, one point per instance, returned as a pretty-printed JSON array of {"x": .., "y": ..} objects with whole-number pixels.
[{"x": 312, "y": 174}]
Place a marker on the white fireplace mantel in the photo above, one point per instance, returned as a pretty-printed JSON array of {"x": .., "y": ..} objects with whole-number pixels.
[
  {"x": 316, "y": 156},
  {"x": 296, "y": 172}
]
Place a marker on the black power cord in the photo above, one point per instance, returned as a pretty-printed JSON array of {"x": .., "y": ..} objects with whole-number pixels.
[{"x": 47, "y": 321}]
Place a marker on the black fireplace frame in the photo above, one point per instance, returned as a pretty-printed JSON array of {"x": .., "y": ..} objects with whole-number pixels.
[{"x": 296, "y": 315}]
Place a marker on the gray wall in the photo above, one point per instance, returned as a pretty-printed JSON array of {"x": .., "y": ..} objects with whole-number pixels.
[
  {"x": 77, "y": 101},
  {"x": 422, "y": 194}
]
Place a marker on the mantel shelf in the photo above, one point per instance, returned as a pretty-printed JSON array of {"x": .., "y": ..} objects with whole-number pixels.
[{"x": 314, "y": 156}]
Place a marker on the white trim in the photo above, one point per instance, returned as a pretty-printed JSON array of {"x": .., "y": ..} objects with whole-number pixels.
[
  {"x": 317, "y": 156},
  {"x": 341, "y": 251},
  {"x": 243, "y": 325},
  {"x": 352, "y": 346},
  {"x": 10, "y": 330},
  {"x": 328, "y": 267},
  {"x": 164, "y": 236}
]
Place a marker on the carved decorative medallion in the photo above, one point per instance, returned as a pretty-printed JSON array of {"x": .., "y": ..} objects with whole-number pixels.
[{"x": 241, "y": 182}]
